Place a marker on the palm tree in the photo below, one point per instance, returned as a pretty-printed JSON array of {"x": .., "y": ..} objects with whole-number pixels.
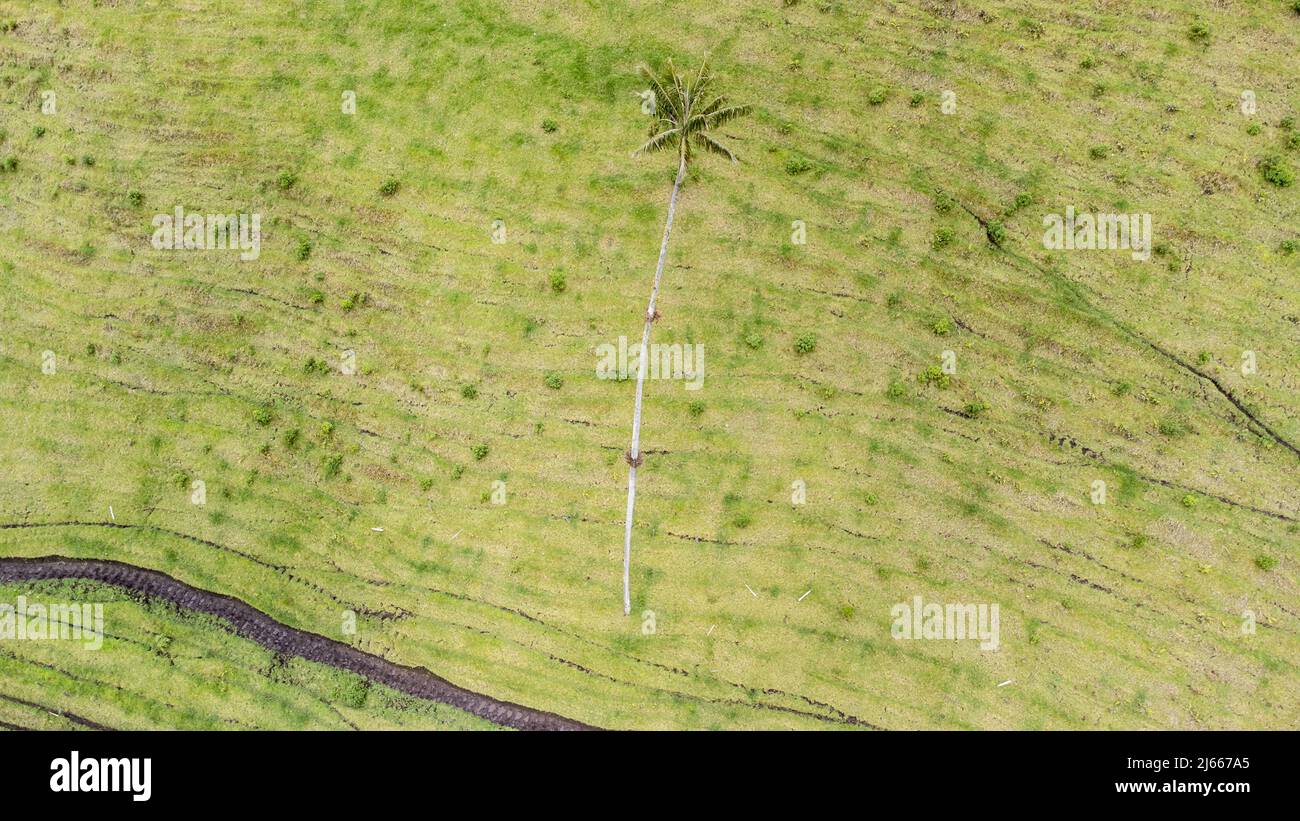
[{"x": 685, "y": 114}]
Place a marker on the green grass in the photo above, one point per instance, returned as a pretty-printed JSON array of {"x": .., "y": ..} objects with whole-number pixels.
[{"x": 813, "y": 349}]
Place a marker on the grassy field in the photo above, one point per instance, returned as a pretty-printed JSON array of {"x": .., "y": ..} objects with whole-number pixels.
[{"x": 476, "y": 359}]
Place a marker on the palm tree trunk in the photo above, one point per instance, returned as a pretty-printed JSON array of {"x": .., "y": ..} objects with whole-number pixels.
[{"x": 634, "y": 455}]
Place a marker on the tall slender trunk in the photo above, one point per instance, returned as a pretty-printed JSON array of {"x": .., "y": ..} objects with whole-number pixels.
[{"x": 634, "y": 455}]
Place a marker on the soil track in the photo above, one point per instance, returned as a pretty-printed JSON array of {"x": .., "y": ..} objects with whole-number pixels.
[{"x": 257, "y": 626}]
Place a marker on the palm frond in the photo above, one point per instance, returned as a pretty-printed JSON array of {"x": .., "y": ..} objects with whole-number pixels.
[
  {"x": 708, "y": 143},
  {"x": 660, "y": 141},
  {"x": 722, "y": 116}
]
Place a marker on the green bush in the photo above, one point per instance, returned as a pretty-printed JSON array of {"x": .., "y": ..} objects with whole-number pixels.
[
  {"x": 1265, "y": 562},
  {"x": 331, "y": 465},
  {"x": 135, "y": 198},
  {"x": 558, "y": 283},
  {"x": 480, "y": 452},
  {"x": 896, "y": 390},
  {"x": 805, "y": 343},
  {"x": 1173, "y": 427},
  {"x": 554, "y": 381},
  {"x": 943, "y": 202},
  {"x": 797, "y": 165},
  {"x": 1198, "y": 32},
  {"x": 934, "y": 375},
  {"x": 469, "y": 391},
  {"x": 996, "y": 233},
  {"x": 877, "y": 95},
  {"x": 389, "y": 187},
  {"x": 943, "y": 237},
  {"x": 1289, "y": 246},
  {"x": 550, "y": 126},
  {"x": 303, "y": 250},
  {"x": 695, "y": 408},
  {"x": 263, "y": 416},
  {"x": 286, "y": 180},
  {"x": 1099, "y": 152},
  {"x": 1276, "y": 171},
  {"x": 38, "y": 131},
  {"x": 941, "y": 326},
  {"x": 9, "y": 163}
]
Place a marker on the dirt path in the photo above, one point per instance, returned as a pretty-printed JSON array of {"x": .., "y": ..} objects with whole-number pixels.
[{"x": 256, "y": 626}]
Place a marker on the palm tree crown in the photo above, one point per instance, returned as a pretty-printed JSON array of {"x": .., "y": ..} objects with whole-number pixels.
[{"x": 686, "y": 112}]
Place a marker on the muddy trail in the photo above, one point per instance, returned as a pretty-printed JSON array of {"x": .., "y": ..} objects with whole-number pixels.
[{"x": 257, "y": 626}]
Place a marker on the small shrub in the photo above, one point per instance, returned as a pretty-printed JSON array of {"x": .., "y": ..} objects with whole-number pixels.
[
  {"x": 847, "y": 611},
  {"x": 1087, "y": 63},
  {"x": 469, "y": 391},
  {"x": 1121, "y": 389},
  {"x": 88, "y": 160},
  {"x": 1023, "y": 200},
  {"x": 1276, "y": 171},
  {"x": 943, "y": 202},
  {"x": 877, "y": 95},
  {"x": 480, "y": 452},
  {"x": 331, "y": 465},
  {"x": 943, "y": 237},
  {"x": 996, "y": 233},
  {"x": 805, "y": 343},
  {"x": 1172, "y": 427},
  {"x": 1189, "y": 501},
  {"x": 135, "y": 199},
  {"x": 896, "y": 390},
  {"x": 263, "y": 416},
  {"x": 975, "y": 409},
  {"x": 38, "y": 131},
  {"x": 550, "y": 126},
  {"x": 1293, "y": 141},
  {"x": 752, "y": 339},
  {"x": 1289, "y": 246},
  {"x": 1198, "y": 32},
  {"x": 1286, "y": 123},
  {"x": 894, "y": 300},
  {"x": 389, "y": 187},
  {"x": 315, "y": 366},
  {"x": 1099, "y": 152},
  {"x": 941, "y": 326},
  {"x": 9, "y": 163},
  {"x": 1253, "y": 129},
  {"x": 554, "y": 381},
  {"x": 303, "y": 251},
  {"x": 934, "y": 375},
  {"x": 695, "y": 408},
  {"x": 797, "y": 165},
  {"x": 1265, "y": 562},
  {"x": 286, "y": 180},
  {"x": 354, "y": 300},
  {"x": 326, "y": 429},
  {"x": 558, "y": 282},
  {"x": 917, "y": 99},
  {"x": 291, "y": 438},
  {"x": 1137, "y": 541}
]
